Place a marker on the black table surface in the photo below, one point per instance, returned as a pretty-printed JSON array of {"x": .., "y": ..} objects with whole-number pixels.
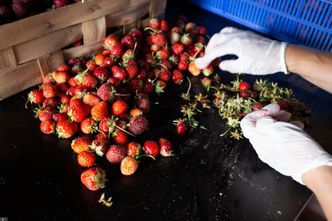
[{"x": 210, "y": 178}]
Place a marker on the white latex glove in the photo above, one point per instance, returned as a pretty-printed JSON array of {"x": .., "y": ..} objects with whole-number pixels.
[
  {"x": 256, "y": 55},
  {"x": 283, "y": 145}
]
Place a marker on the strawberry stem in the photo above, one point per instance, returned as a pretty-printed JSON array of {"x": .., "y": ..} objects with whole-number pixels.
[{"x": 127, "y": 132}]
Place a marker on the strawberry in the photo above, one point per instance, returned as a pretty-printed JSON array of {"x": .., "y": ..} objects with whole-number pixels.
[
  {"x": 177, "y": 48},
  {"x": 117, "y": 50},
  {"x": 91, "y": 64},
  {"x": 119, "y": 72},
  {"x": 131, "y": 69},
  {"x": 165, "y": 147},
  {"x": 120, "y": 137},
  {"x": 19, "y": 9},
  {"x": 151, "y": 148},
  {"x": 208, "y": 70},
  {"x": 158, "y": 39},
  {"x": 244, "y": 86},
  {"x": 201, "y": 30},
  {"x": 181, "y": 127},
  {"x": 94, "y": 178},
  {"x": 186, "y": 39},
  {"x": 66, "y": 129},
  {"x": 174, "y": 37},
  {"x": 36, "y": 96},
  {"x": 48, "y": 79},
  {"x": 116, "y": 153},
  {"x": 173, "y": 59},
  {"x": 86, "y": 159},
  {"x": 138, "y": 125},
  {"x": 99, "y": 111},
  {"x": 76, "y": 91},
  {"x": 177, "y": 77},
  {"x": 91, "y": 99},
  {"x": 100, "y": 59},
  {"x": 135, "y": 112},
  {"x": 162, "y": 54},
  {"x": 200, "y": 39},
  {"x": 257, "y": 106},
  {"x": 99, "y": 145},
  {"x": 107, "y": 126},
  {"x": 160, "y": 86},
  {"x": 128, "y": 166},
  {"x": 143, "y": 104},
  {"x": 283, "y": 105},
  {"x": 89, "y": 126},
  {"x": 182, "y": 66},
  {"x": 106, "y": 92},
  {"x": 128, "y": 41},
  {"x": 113, "y": 81},
  {"x": 110, "y": 41},
  {"x": 49, "y": 90},
  {"x": 73, "y": 82},
  {"x": 52, "y": 102},
  {"x": 164, "y": 25},
  {"x": 62, "y": 88},
  {"x": 119, "y": 107},
  {"x": 134, "y": 149},
  {"x": 60, "y": 116},
  {"x": 164, "y": 75},
  {"x": 190, "y": 27},
  {"x": 79, "y": 111},
  {"x": 101, "y": 73},
  {"x": 193, "y": 69},
  {"x": 154, "y": 23},
  {"x": 80, "y": 144},
  {"x": 136, "y": 34},
  {"x": 60, "y": 76},
  {"x": 245, "y": 93},
  {"x": 155, "y": 48},
  {"x": 109, "y": 61},
  {"x": 206, "y": 82},
  {"x": 185, "y": 58},
  {"x": 89, "y": 81},
  {"x": 60, "y": 3},
  {"x": 47, "y": 126},
  {"x": 44, "y": 113}
]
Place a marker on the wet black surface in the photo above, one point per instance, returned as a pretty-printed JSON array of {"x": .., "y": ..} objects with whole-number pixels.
[{"x": 210, "y": 178}]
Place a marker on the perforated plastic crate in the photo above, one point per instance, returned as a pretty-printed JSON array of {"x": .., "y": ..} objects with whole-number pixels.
[{"x": 307, "y": 22}]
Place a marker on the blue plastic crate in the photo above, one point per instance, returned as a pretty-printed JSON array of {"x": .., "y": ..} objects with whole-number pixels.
[{"x": 306, "y": 22}]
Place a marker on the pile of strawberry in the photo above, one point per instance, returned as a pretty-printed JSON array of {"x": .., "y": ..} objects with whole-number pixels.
[{"x": 102, "y": 101}]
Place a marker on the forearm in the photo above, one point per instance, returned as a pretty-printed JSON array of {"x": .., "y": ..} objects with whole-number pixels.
[
  {"x": 312, "y": 65},
  {"x": 319, "y": 180}
]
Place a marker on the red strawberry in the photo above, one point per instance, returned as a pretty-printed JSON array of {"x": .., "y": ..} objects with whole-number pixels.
[
  {"x": 66, "y": 129},
  {"x": 106, "y": 92},
  {"x": 49, "y": 90},
  {"x": 201, "y": 30},
  {"x": 128, "y": 166},
  {"x": 73, "y": 82},
  {"x": 120, "y": 137},
  {"x": 143, "y": 104},
  {"x": 134, "y": 149},
  {"x": 164, "y": 75},
  {"x": 86, "y": 159},
  {"x": 107, "y": 126},
  {"x": 186, "y": 39},
  {"x": 79, "y": 111},
  {"x": 109, "y": 61},
  {"x": 155, "y": 48},
  {"x": 245, "y": 93},
  {"x": 177, "y": 77},
  {"x": 110, "y": 41},
  {"x": 91, "y": 99},
  {"x": 116, "y": 153},
  {"x": 62, "y": 87},
  {"x": 99, "y": 146},
  {"x": 283, "y": 105},
  {"x": 89, "y": 81},
  {"x": 162, "y": 54},
  {"x": 36, "y": 96},
  {"x": 208, "y": 70},
  {"x": 94, "y": 178},
  {"x": 151, "y": 148},
  {"x": 19, "y": 9},
  {"x": 48, "y": 79},
  {"x": 76, "y": 91},
  {"x": 136, "y": 33},
  {"x": 164, "y": 25},
  {"x": 44, "y": 113},
  {"x": 138, "y": 124},
  {"x": 181, "y": 127},
  {"x": 131, "y": 69},
  {"x": 119, "y": 72},
  {"x": 60, "y": 116},
  {"x": 80, "y": 144},
  {"x": 165, "y": 147},
  {"x": 244, "y": 86},
  {"x": 89, "y": 126},
  {"x": 100, "y": 59},
  {"x": 117, "y": 50},
  {"x": 91, "y": 64},
  {"x": 99, "y": 111},
  {"x": 113, "y": 81},
  {"x": 128, "y": 41},
  {"x": 101, "y": 73},
  {"x": 119, "y": 107},
  {"x": 60, "y": 3},
  {"x": 158, "y": 39},
  {"x": 257, "y": 106},
  {"x": 52, "y": 102},
  {"x": 182, "y": 66},
  {"x": 177, "y": 48},
  {"x": 47, "y": 126},
  {"x": 184, "y": 58},
  {"x": 154, "y": 23},
  {"x": 60, "y": 76}
]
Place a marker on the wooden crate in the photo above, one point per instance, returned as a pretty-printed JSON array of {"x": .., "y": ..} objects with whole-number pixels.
[{"x": 31, "y": 47}]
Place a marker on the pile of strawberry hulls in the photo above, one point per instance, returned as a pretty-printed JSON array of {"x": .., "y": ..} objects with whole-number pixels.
[{"x": 103, "y": 100}]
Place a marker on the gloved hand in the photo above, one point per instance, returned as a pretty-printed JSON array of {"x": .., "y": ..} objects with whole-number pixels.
[
  {"x": 283, "y": 145},
  {"x": 256, "y": 55}
]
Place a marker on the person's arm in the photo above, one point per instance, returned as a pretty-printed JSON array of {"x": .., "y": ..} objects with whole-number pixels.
[
  {"x": 319, "y": 180},
  {"x": 314, "y": 66}
]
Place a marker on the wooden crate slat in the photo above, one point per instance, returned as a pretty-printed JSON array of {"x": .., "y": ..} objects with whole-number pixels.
[
  {"x": 7, "y": 59},
  {"x": 82, "y": 50},
  {"x": 18, "y": 79},
  {"x": 47, "y": 44},
  {"x": 94, "y": 31},
  {"x": 127, "y": 16},
  {"x": 157, "y": 8},
  {"x": 41, "y": 24},
  {"x": 48, "y": 63}
]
